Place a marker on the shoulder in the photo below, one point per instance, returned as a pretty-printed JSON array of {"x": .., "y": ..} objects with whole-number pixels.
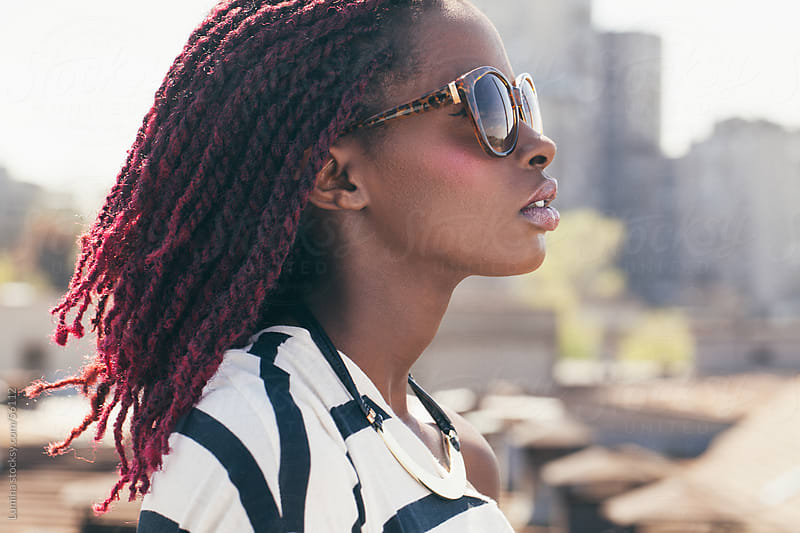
[
  {"x": 225, "y": 463},
  {"x": 194, "y": 489},
  {"x": 483, "y": 469}
]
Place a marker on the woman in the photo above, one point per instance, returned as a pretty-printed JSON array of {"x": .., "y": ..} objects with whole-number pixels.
[{"x": 271, "y": 263}]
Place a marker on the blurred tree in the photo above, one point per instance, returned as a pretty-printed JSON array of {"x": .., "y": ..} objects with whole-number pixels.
[
  {"x": 579, "y": 267},
  {"x": 7, "y": 270},
  {"x": 579, "y": 337},
  {"x": 660, "y": 335}
]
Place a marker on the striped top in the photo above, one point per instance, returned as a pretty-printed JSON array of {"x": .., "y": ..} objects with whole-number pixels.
[{"x": 276, "y": 443}]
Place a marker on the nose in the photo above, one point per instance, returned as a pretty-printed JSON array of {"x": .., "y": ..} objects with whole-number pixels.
[{"x": 534, "y": 149}]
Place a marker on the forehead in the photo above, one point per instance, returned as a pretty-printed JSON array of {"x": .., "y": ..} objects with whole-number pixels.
[{"x": 453, "y": 41}]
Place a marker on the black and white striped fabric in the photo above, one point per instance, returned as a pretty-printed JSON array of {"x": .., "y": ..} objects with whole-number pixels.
[{"x": 276, "y": 444}]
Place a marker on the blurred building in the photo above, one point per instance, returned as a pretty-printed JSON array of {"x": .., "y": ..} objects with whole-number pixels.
[
  {"x": 16, "y": 200},
  {"x": 728, "y": 345},
  {"x": 740, "y": 224},
  {"x": 748, "y": 480},
  {"x": 636, "y": 179},
  {"x": 55, "y": 494},
  {"x": 27, "y": 352},
  {"x": 487, "y": 338},
  {"x": 722, "y": 216},
  {"x": 600, "y": 94},
  {"x": 585, "y": 479},
  {"x": 555, "y": 41},
  {"x": 678, "y": 456}
]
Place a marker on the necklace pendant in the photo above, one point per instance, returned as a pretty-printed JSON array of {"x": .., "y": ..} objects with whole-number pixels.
[{"x": 451, "y": 486}]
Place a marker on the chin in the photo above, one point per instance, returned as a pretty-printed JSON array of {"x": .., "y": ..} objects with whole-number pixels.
[{"x": 512, "y": 268}]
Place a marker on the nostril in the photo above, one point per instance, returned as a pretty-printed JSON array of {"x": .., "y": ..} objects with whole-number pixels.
[{"x": 538, "y": 160}]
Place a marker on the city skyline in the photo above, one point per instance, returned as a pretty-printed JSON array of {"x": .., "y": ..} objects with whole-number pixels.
[
  {"x": 745, "y": 65},
  {"x": 84, "y": 78}
]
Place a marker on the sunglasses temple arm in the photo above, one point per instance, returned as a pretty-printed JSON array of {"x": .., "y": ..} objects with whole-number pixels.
[{"x": 432, "y": 100}]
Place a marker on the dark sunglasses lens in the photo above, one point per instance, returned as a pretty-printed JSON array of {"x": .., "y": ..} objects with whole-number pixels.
[
  {"x": 533, "y": 115},
  {"x": 495, "y": 112}
]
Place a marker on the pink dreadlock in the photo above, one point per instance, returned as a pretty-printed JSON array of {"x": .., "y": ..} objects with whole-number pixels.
[{"x": 199, "y": 233}]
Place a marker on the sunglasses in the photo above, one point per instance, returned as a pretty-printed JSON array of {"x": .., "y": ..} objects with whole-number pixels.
[{"x": 493, "y": 104}]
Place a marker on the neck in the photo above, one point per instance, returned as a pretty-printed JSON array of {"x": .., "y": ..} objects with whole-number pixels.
[{"x": 383, "y": 322}]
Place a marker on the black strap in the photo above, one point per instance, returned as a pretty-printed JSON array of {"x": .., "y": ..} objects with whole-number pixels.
[
  {"x": 439, "y": 416},
  {"x": 324, "y": 343}
]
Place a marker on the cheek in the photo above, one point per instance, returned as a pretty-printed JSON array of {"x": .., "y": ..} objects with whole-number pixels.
[
  {"x": 440, "y": 197},
  {"x": 459, "y": 169},
  {"x": 457, "y": 202},
  {"x": 455, "y": 178},
  {"x": 446, "y": 164}
]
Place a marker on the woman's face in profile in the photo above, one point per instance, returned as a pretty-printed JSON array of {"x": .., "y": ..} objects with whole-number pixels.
[{"x": 435, "y": 195}]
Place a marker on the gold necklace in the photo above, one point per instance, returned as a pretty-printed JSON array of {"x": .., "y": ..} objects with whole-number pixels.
[{"x": 451, "y": 485}]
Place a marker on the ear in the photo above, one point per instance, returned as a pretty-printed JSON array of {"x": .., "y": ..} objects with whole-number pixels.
[{"x": 335, "y": 187}]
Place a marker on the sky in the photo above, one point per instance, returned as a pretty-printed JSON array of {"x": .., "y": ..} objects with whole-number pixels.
[
  {"x": 76, "y": 79},
  {"x": 721, "y": 58}
]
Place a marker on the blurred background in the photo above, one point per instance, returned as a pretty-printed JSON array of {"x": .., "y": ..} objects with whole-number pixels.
[{"x": 644, "y": 379}]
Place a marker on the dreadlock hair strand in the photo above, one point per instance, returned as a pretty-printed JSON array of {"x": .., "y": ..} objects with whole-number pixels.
[{"x": 198, "y": 238}]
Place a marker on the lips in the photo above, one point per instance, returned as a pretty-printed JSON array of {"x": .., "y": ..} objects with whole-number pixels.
[{"x": 544, "y": 217}]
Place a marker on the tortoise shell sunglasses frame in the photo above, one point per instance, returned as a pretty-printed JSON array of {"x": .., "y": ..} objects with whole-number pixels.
[{"x": 463, "y": 89}]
